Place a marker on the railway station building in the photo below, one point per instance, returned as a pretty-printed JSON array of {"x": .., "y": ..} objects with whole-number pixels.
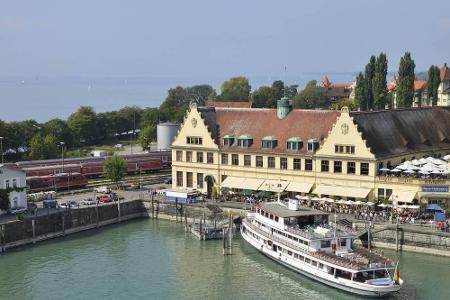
[
  {"x": 337, "y": 154},
  {"x": 14, "y": 181}
]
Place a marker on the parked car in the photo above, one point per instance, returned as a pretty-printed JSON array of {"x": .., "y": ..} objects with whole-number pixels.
[
  {"x": 73, "y": 203},
  {"x": 168, "y": 180},
  {"x": 88, "y": 201},
  {"x": 50, "y": 203},
  {"x": 17, "y": 210},
  {"x": 104, "y": 198},
  {"x": 103, "y": 189}
]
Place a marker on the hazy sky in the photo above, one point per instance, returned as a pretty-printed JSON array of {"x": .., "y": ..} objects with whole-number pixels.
[{"x": 205, "y": 38}]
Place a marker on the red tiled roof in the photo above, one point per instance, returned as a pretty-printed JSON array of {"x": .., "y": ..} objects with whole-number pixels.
[
  {"x": 230, "y": 104},
  {"x": 341, "y": 85},
  {"x": 419, "y": 84},
  {"x": 445, "y": 73},
  {"x": 258, "y": 123}
]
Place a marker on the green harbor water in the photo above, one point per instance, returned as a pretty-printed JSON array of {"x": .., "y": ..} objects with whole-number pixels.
[{"x": 157, "y": 260}]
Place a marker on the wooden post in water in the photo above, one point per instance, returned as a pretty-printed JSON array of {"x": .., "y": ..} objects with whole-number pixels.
[
  {"x": 63, "y": 224},
  {"x": 368, "y": 236},
  {"x": 118, "y": 210},
  {"x": 396, "y": 238},
  {"x": 3, "y": 237},
  {"x": 96, "y": 214},
  {"x": 176, "y": 210},
  {"x": 33, "y": 226},
  {"x": 153, "y": 206},
  {"x": 228, "y": 236}
]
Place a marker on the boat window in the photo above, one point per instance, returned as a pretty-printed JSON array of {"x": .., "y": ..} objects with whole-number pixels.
[
  {"x": 271, "y": 216},
  {"x": 296, "y": 255},
  {"x": 307, "y": 260},
  {"x": 279, "y": 248},
  {"x": 290, "y": 253},
  {"x": 276, "y": 218},
  {"x": 320, "y": 266},
  {"x": 301, "y": 257},
  {"x": 325, "y": 244},
  {"x": 295, "y": 239},
  {"x": 314, "y": 263}
]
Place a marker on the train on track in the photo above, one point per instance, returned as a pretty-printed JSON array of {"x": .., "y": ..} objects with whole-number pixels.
[{"x": 73, "y": 172}]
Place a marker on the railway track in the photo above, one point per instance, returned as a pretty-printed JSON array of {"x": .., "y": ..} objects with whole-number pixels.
[
  {"x": 104, "y": 181},
  {"x": 147, "y": 180}
]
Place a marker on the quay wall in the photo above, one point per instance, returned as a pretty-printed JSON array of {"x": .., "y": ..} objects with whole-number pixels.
[
  {"x": 33, "y": 229},
  {"x": 409, "y": 238}
]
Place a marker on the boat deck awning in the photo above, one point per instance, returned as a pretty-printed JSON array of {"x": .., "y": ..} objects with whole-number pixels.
[
  {"x": 342, "y": 191},
  {"x": 299, "y": 187},
  {"x": 242, "y": 183},
  {"x": 272, "y": 185},
  {"x": 402, "y": 196}
]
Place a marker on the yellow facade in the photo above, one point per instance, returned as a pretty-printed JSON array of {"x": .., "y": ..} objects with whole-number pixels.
[{"x": 344, "y": 133}]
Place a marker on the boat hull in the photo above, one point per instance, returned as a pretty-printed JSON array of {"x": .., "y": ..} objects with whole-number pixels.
[{"x": 347, "y": 287}]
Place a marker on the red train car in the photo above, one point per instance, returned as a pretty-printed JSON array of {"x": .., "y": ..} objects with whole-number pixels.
[
  {"x": 56, "y": 182},
  {"x": 51, "y": 170}
]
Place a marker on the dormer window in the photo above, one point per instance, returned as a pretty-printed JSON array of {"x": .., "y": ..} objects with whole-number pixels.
[
  {"x": 228, "y": 140},
  {"x": 294, "y": 144},
  {"x": 245, "y": 141},
  {"x": 313, "y": 145},
  {"x": 269, "y": 142}
]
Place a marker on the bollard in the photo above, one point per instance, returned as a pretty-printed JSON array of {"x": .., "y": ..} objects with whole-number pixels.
[{"x": 2, "y": 237}]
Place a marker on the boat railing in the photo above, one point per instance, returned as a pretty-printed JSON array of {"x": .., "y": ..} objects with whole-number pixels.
[{"x": 275, "y": 238}]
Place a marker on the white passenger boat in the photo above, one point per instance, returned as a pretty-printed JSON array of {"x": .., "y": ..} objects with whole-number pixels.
[{"x": 304, "y": 240}]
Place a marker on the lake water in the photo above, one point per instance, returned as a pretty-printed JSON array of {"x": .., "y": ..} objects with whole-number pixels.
[
  {"x": 43, "y": 98},
  {"x": 149, "y": 259}
]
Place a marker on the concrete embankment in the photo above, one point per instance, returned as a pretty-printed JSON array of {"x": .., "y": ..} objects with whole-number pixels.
[
  {"x": 33, "y": 229},
  {"x": 409, "y": 238}
]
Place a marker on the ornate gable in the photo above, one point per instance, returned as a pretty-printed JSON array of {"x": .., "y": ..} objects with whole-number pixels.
[
  {"x": 345, "y": 133},
  {"x": 194, "y": 126}
]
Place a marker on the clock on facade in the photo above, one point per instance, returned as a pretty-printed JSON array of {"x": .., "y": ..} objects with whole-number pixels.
[
  {"x": 194, "y": 122},
  {"x": 344, "y": 128}
]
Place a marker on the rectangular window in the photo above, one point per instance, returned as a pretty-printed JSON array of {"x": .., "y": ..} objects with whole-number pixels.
[
  {"x": 14, "y": 182},
  {"x": 308, "y": 165},
  {"x": 324, "y": 166},
  {"x": 179, "y": 155},
  {"x": 189, "y": 179},
  {"x": 235, "y": 159},
  {"x": 351, "y": 167},
  {"x": 247, "y": 160},
  {"x": 224, "y": 158},
  {"x": 364, "y": 169},
  {"x": 268, "y": 144},
  {"x": 283, "y": 163},
  {"x": 194, "y": 140},
  {"x": 297, "y": 164},
  {"x": 259, "y": 162},
  {"x": 224, "y": 177},
  {"x": 337, "y": 166},
  {"x": 188, "y": 156},
  {"x": 209, "y": 157},
  {"x": 271, "y": 162},
  {"x": 179, "y": 178},
  {"x": 388, "y": 193},
  {"x": 200, "y": 180},
  {"x": 199, "y": 157},
  {"x": 7, "y": 184}
]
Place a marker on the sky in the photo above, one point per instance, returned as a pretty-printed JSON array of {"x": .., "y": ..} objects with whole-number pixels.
[{"x": 203, "y": 38}]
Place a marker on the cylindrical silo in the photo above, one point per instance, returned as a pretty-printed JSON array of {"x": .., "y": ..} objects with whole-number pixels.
[{"x": 165, "y": 134}]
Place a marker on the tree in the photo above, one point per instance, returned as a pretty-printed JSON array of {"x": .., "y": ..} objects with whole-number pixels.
[
  {"x": 344, "y": 102},
  {"x": 59, "y": 129},
  {"x": 175, "y": 104},
  {"x": 369, "y": 74},
  {"x": 379, "y": 91},
  {"x": 200, "y": 93},
  {"x": 434, "y": 79},
  {"x": 83, "y": 124},
  {"x": 360, "y": 92},
  {"x": 235, "y": 89},
  {"x": 115, "y": 168},
  {"x": 263, "y": 97},
  {"x": 43, "y": 147},
  {"x": 312, "y": 96},
  {"x": 405, "y": 81},
  {"x": 146, "y": 136}
]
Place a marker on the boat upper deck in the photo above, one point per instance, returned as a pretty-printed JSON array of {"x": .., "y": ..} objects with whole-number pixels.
[{"x": 283, "y": 212}]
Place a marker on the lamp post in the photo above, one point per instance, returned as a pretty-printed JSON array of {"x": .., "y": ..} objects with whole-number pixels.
[
  {"x": 62, "y": 156},
  {"x": 1, "y": 146}
]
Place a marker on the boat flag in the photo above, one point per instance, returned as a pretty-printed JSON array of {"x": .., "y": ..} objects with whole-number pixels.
[{"x": 397, "y": 275}]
